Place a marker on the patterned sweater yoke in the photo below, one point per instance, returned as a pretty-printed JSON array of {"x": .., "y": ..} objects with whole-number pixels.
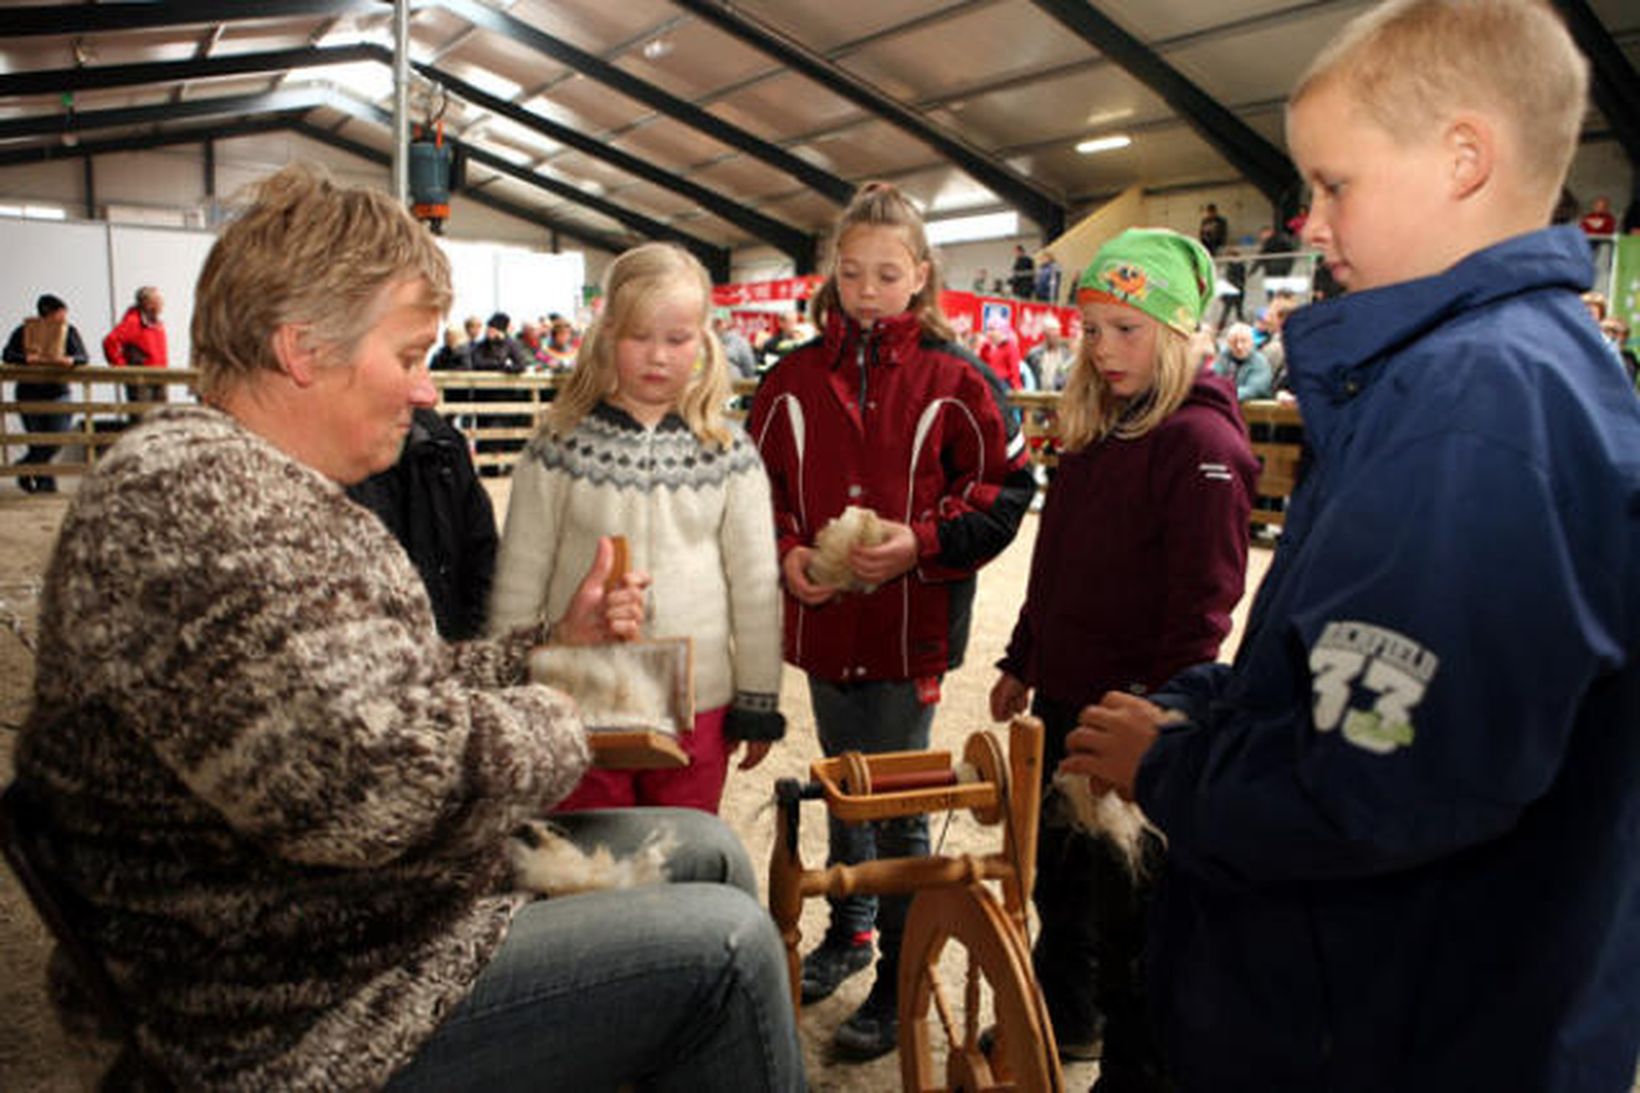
[{"x": 697, "y": 518}]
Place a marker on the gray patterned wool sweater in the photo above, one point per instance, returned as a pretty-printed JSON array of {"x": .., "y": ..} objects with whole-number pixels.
[{"x": 285, "y": 796}]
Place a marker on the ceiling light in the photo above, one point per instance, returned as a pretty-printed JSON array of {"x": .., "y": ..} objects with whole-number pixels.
[
  {"x": 968, "y": 229},
  {"x": 657, "y": 48},
  {"x": 1106, "y": 117},
  {"x": 1104, "y": 144}
]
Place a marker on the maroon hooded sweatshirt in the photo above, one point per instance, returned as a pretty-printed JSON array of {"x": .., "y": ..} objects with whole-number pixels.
[{"x": 1141, "y": 555}]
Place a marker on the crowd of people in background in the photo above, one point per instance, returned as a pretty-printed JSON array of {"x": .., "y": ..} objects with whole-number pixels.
[
  {"x": 548, "y": 345},
  {"x": 1238, "y": 340}
]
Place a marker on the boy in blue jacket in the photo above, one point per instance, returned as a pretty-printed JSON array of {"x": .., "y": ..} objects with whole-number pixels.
[{"x": 1404, "y": 827}]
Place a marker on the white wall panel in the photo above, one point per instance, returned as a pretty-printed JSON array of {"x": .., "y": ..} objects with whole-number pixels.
[
  {"x": 531, "y": 284},
  {"x": 472, "y": 277},
  {"x": 66, "y": 258}
]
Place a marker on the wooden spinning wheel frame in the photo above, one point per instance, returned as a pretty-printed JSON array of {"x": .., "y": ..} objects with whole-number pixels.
[{"x": 999, "y": 1037}]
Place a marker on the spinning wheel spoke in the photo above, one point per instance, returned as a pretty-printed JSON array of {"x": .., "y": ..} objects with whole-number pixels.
[
  {"x": 998, "y": 989},
  {"x": 972, "y": 1000},
  {"x": 941, "y": 1003}
]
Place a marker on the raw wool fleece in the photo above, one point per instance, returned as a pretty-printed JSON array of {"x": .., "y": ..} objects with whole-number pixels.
[
  {"x": 854, "y": 526},
  {"x": 615, "y": 686},
  {"x": 545, "y": 861},
  {"x": 1108, "y": 816},
  {"x": 287, "y": 799}
]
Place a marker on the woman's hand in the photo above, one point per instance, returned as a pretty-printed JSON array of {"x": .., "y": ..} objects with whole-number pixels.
[
  {"x": 895, "y": 555},
  {"x": 1008, "y": 697},
  {"x": 794, "y": 567},
  {"x": 597, "y": 615},
  {"x": 1111, "y": 738}
]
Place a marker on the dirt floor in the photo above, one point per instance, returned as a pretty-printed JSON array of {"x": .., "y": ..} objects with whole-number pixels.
[{"x": 34, "y": 1054}]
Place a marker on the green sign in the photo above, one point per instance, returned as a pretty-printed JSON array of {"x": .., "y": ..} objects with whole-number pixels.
[{"x": 1625, "y": 294}]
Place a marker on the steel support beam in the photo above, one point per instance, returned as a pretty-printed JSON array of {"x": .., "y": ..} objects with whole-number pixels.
[
  {"x": 300, "y": 100},
  {"x": 221, "y": 106},
  {"x": 799, "y": 245},
  {"x": 1033, "y": 199},
  {"x": 1259, "y": 161},
  {"x": 55, "y": 19},
  {"x": 1613, "y": 84},
  {"x": 596, "y": 68},
  {"x": 610, "y": 243},
  {"x": 708, "y": 253},
  {"x": 716, "y": 259},
  {"x": 198, "y": 134},
  {"x": 711, "y": 255},
  {"x": 58, "y": 80},
  {"x": 401, "y": 101}
]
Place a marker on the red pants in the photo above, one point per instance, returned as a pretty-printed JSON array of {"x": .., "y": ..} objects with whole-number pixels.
[{"x": 698, "y": 785}]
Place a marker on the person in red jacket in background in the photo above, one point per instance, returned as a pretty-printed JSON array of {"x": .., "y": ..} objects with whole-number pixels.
[
  {"x": 1000, "y": 352},
  {"x": 1599, "y": 220},
  {"x": 138, "y": 340},
  {"x": 1600, "y": 224}
]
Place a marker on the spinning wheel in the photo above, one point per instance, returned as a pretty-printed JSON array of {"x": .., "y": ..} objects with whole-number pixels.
[
  {"x": 1000, "y": 1001},
  {"x": 953, "y": 908}
]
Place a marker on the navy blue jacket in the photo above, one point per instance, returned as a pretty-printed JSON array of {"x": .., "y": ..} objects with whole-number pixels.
[{"x": 1404, "y": 827}]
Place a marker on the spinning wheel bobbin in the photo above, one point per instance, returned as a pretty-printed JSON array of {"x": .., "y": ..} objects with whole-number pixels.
[
  {"x": 984, "y": 755},
  {"x": 855, "y": 779}
]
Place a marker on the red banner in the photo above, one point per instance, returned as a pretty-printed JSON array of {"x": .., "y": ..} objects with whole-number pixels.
[
  {"x": 969, "y": 312},
  {"x": 740, "y": 293}
]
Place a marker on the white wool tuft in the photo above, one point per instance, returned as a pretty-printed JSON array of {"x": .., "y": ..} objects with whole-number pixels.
[
  {"x": 1122, "y": 822},
  {"x": 829, "y": 567},
  {"x": 615, "y": 686},
  {"x": 554, "y": 866}
]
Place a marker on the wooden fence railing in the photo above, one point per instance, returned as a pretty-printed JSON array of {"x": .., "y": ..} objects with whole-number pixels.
[{"x": 498, "y": 412}]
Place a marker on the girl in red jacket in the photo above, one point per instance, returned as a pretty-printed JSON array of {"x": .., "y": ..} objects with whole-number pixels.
[
  {"x": 1141, "y": 555},
  {"x": 883, "y": 412}
]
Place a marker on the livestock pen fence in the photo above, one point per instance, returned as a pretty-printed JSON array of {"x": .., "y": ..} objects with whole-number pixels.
[{"x": 498, "y": 412}]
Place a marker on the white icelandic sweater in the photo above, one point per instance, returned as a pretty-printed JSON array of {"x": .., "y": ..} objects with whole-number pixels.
[{"x": 696, "y": 518}]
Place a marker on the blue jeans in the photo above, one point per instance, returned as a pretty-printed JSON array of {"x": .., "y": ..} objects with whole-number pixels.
[
  {"x": 43, "y": 453},
  {"x": 877, "y": 715},
  {"x": 677, "y": 986}
]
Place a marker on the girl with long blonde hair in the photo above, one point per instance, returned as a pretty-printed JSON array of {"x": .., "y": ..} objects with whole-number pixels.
[{"x": 637, "y": 444}]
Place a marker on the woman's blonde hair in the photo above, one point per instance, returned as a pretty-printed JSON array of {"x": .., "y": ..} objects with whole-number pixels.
[
  {"x": 633, "y": 285},
  {"x": 1090, "y": 411},
  {"x": 881, "y": 205},
  {"x": 305, "y": 250}
]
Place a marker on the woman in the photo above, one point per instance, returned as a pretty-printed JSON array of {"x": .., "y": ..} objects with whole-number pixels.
[{"x": 284, "y": 797}]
